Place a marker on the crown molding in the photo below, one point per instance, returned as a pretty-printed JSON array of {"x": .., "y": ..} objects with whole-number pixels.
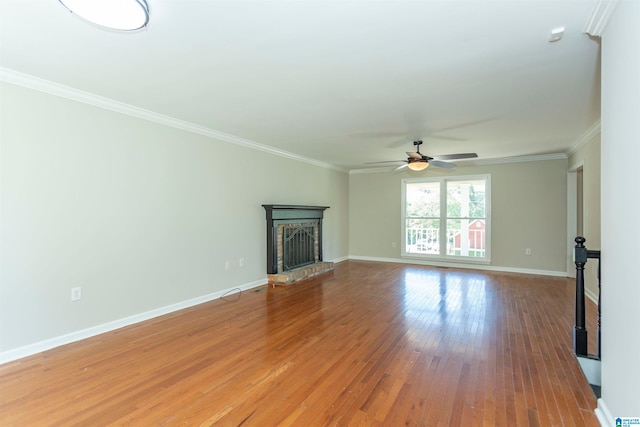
[
  {"x": 600, "y": 17},
  {"x": 481, "y": 162},
  {"x": 371, "y": 170},
  {"x": 30, "y": 82},
  {"x": 46, "y": 86},
  {"x": 520, "y": 159},
  {"x": 586, "y": 137}
]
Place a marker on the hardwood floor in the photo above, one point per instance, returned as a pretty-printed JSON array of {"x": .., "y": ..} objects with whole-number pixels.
[{"x": 372, "y": 344}]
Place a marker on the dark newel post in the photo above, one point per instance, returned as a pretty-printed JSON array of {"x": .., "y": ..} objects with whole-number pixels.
[{"x": 579, "y": 330}]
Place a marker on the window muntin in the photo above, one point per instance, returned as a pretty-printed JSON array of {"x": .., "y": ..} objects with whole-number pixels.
[{"x": 447, "y": 217}]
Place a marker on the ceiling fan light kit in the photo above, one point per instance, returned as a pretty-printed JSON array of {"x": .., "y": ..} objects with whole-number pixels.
[
  {"x": 418, "y": 165},
  {"x": 120, "y": 15}
]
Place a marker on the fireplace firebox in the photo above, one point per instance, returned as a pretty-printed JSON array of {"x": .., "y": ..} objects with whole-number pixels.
[{"x": 299, "y": 245}]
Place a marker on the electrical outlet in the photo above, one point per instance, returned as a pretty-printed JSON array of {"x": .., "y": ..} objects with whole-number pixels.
[
  {"x": 527, "y": 251},
  {"x": 393, "y": 244},
  {"x": 241, "y": 262},
  {"x": 76, "y": 293},
  {"x": 227, "y": 265}
]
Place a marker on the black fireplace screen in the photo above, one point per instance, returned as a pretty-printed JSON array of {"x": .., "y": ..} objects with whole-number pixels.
[{"x": 298, "y": 246}]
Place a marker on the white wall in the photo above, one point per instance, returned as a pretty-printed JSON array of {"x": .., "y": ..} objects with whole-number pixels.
[
  {"x": 529, "y": 210},
  {"x": 140, "y": 215},
  {"x": 620, "y": 205}
]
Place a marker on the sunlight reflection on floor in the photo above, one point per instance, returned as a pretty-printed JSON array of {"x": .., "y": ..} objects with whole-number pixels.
[{"x": 456, "y": 303}]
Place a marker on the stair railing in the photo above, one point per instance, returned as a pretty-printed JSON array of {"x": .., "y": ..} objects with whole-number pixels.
[{"x": 580, "y": 338}]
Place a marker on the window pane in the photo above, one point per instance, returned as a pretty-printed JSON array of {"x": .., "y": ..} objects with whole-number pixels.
[
  {"x": 466, "y": 237},
  {"x": 423, "y": 236},
  {"x": 423, "y": 200},
  {"x": 466, "y": 199},
  {"x": 454, "y": 229}
]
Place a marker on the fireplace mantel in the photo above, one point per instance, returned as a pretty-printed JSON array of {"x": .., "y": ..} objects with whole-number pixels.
[
  {"x": 286, "y": 214},
  {"x": 281, "y": 212}
]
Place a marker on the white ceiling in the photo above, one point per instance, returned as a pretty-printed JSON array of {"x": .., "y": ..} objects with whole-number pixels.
[{"x": 341, "y": 82}]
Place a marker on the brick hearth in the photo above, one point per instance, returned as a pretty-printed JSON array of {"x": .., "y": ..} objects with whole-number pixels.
[{"x": 288, "y": 277}]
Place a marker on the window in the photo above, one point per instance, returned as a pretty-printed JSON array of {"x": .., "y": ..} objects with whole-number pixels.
[{"x": 447, "y": 217}]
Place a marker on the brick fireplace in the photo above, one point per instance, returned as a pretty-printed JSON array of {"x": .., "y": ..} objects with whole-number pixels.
[{"x": 294, "y": 243}]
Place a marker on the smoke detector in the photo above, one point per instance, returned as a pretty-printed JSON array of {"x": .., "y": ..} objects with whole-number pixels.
[{"x": 556, "y": 34}]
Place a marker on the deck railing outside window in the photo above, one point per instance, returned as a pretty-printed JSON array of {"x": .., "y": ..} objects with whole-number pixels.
[{"x": 425, "y": 240}]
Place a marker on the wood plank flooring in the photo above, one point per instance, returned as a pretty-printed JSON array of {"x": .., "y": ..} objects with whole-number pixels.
[{"x": 372, "y": 344}]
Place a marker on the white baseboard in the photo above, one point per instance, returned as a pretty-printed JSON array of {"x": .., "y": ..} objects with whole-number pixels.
[
  {"x": 462, "y": 265},
  {"x": 48, "y": 344},
  {"x": 603, "y": 414},
  {"x": 31, "y": 349}
]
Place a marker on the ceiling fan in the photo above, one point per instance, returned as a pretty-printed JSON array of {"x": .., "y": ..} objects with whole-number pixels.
[{"x": 418, "y": 161}]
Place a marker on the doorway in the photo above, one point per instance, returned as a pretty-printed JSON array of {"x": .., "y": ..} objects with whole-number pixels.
[{"x": 575, "y": 213}]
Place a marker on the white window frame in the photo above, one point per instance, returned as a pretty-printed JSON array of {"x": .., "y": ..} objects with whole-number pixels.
[{"x": 442, "y": 256}]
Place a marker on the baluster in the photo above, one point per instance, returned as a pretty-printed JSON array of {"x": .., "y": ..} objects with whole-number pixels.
[{"x": 579, "y": 330}]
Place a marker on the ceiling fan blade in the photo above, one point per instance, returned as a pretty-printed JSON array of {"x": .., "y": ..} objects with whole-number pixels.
[
  {"x": 416, "y": 156},
  {"x": 401, "y": 167},
  {"x": 456, "y": 156},
  {"x": 386, "y": 161},
  {"x": 440, "y": 164}
]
